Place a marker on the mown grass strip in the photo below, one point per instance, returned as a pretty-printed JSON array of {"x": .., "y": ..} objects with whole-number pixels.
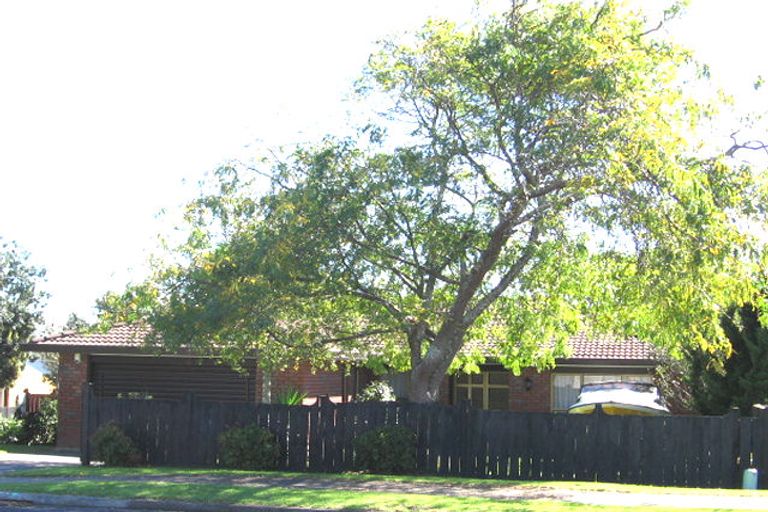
[
  {"x": 96, "y": 471},
  {"x": 305, "y": 498}
]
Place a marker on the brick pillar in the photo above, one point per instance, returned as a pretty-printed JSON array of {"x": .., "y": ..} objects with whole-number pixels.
[{"x": 72, "y": 375}]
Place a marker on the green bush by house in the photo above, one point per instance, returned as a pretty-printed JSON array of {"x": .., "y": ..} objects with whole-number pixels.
[
  {"x": 249, "y": 447},
  {"x": 10, "y": 430},
  {"x": 389, "y": 450},
  {"x": 114, "y": 448},
  {"x": 377, "y": 391},
  {"x": 39, "y": 427}
]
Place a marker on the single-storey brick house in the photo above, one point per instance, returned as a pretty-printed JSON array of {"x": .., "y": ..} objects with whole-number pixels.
[
  {"x": 592, "y": 360},
  {"x": 117, "y": 363}
]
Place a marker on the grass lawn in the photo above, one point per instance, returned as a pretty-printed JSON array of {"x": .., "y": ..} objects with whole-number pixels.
[
  {"x": 77, "y": 483},
  {"x": 282, "y": 497},
  {"x": 95, "y": 471}
]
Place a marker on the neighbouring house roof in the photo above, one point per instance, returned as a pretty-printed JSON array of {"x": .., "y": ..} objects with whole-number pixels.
[{"x": 126, "y": 338}]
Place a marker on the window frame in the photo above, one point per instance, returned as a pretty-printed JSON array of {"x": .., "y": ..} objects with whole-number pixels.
[{"x": 485, "y": 386}]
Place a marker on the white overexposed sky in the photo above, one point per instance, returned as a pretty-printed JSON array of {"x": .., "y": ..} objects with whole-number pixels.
[{"x": 113, "y": 111}]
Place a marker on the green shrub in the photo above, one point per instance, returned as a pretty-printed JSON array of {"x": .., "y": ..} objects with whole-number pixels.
[
  {"x": 377, "y": 391},
  {"x": 114, "y": 448},
  {"x": 11, "y": 430},
  {"x": 249, "y": 447},
  {"x": 290, "y": 396},
  {"x": 388, "y": 450},
  {"x": 40, "y": 427}
]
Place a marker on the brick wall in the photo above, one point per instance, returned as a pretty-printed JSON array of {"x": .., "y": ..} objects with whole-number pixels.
[
  {"x": 72, "y": 376},
  {"x": 537, "y": 398}
]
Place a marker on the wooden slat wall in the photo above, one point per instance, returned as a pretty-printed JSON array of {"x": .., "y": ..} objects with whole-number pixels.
[{"x": 171, "y": 378}]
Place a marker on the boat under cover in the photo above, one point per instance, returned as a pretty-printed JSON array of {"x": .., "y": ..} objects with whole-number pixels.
[{"x": 620, "y": 398}]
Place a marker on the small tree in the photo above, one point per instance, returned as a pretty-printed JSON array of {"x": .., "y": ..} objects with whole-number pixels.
[{"x": 21, "y": 303}]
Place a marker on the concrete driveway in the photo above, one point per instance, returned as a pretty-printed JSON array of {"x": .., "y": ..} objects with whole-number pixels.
[{"x": 14, "y": 461}]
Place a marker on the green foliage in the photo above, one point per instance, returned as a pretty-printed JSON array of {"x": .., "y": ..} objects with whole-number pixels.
[
  {"x": 389, "y": 450},
  {"x": 377, "y": 391},
  {"x": 40, "y": 426},
  {"x": 738, "y": 378},
  {"x": 291, "y": 396},
  {"x": 75, "y": 323},
  {"x": 11, "y": 430},
  {"x": 249, "y": 447},
  {"x": 114, "y": 448},
  {"x": 551, "y": 182},
  {"x": 21, "y": 303}
]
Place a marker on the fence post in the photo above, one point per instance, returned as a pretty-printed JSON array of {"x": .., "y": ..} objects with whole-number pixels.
[{"x": 86, "y": 397}]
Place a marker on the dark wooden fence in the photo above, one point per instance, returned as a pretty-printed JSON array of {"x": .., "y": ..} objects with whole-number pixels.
[{"x": 709, "y": 451}]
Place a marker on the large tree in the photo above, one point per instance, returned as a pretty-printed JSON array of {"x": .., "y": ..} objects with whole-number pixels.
[
  {"x": 21, "y": 304},
  {"x": 550, "y": 182}
]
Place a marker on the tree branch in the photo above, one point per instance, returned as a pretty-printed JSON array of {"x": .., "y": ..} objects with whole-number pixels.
[
  {"x": 386, "y": 254},
  {"x": 464, "y": 149},
  {"x": 505, "y": 280},
  {"x": 363, "y": 293},
  {"x": 753, "y": 145}
]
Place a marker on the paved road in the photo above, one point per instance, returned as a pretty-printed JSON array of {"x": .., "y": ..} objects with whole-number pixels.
[{"x": 14, "y": 461}]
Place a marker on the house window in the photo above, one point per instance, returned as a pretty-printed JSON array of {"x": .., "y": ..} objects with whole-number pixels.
[
  {"x": 485, "y": 390},
  {"x": 566, "y": 386}
]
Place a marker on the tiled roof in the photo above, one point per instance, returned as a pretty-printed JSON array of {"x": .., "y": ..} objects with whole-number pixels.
[
  {"x": 132, "y": 337},
  {"x": 584, "y": 347},
  {"x": 607, "y": 347},
  {"x": 119, "y": 336}
]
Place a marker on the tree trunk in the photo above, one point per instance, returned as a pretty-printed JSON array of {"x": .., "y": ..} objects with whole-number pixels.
[{"x": 427, "y": 376}]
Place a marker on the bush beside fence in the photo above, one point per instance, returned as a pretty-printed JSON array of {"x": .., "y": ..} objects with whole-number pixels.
[{"x": 695, "y": 451}]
